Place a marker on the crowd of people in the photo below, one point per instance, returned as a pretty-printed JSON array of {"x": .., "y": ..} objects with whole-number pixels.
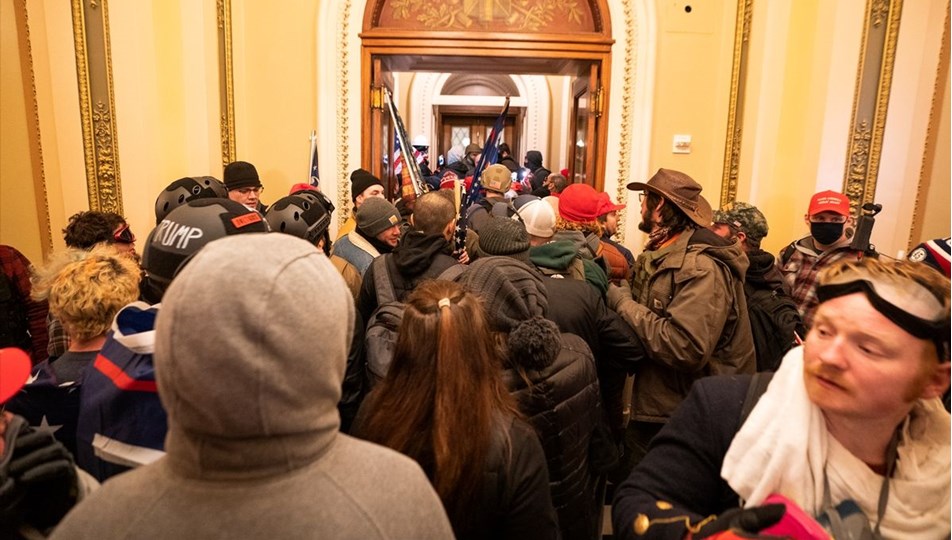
[{"x": 250, "y": 376}]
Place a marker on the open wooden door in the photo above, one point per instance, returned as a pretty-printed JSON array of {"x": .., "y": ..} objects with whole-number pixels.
[
  {"x": 586, "y": 111},
  {"x": 381, "y": 131}
]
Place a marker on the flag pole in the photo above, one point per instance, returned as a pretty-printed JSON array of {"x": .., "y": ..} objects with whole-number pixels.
[
  {"x": 416, "y": 177},
  {"x": 313, "y": 173}
]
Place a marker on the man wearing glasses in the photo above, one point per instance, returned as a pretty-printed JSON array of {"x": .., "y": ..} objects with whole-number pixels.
[
  {"x": 244, "y": 186},
  {"x": 800, "y": 262}
]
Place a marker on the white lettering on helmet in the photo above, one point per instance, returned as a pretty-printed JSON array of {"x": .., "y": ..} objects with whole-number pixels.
[{"x": 170, "y": 233}]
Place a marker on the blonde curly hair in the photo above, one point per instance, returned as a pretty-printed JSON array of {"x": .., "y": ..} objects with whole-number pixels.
[
  {"x": 86, "y": 294},
  {"x": 594, "y": 227}
]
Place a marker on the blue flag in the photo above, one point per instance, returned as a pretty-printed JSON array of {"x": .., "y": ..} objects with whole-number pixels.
[
  {"x": 489, "y": 156},
  {"x": 121, "y": 421},
  {"x": 315, "y": 175}
]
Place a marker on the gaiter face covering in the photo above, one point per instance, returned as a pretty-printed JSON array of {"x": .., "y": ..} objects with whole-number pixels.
[{"x": 826, "y": 233}]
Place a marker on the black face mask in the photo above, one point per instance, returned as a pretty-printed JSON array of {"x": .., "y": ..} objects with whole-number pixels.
[{"x": 826, "y": 233}]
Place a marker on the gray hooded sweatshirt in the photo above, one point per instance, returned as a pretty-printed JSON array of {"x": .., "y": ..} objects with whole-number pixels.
[{"x": 251, "y": 343}]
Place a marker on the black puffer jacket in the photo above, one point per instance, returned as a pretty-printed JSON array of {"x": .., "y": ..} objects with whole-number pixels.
[
  {"x": 576, "y": 308},
  {"x": 556, "y": 386}
]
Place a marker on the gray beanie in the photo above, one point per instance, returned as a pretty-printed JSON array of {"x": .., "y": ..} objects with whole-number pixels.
[
  {"x": 510, "y": 291},
  {"x": 376, "y": 215},
  {"x": 504, "y": 237}
]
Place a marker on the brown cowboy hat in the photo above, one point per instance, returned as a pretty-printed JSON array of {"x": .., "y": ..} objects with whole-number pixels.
[{"x": 681, "y": 190}]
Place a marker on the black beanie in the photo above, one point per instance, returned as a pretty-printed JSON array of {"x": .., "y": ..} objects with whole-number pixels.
[
  {"x": 360, "y": 180},
  {"x": 241, "y": 174},
  {"x": 504, "y": 237}
]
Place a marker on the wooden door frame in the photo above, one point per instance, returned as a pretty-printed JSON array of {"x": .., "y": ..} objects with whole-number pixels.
[{"x": 506, "y": 47}]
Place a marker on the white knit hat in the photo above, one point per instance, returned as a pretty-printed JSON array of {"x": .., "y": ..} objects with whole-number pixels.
[{"x": 539, "y": 217}]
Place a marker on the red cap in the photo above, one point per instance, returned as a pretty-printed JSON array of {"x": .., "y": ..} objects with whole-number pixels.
[
  {"x": 579, "y": 203},
  {"x": 564, "y": 172},
  {"x": 606, "y": 205},
  {"x": 296, "y": 188},
  {"x": 14, "y": 371},
  {"x": 829, "y": 201}
]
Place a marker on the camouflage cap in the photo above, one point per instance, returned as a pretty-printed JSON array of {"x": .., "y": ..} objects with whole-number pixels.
[{"x": 746, "y": 217}]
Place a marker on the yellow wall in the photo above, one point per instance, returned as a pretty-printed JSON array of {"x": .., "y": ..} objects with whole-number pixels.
[
  {"x": 935, "y": 201},
  {"x": 692, "y": 86},
  {"x": 275, "y": 80},
  {"x": 20, "y": 224}
]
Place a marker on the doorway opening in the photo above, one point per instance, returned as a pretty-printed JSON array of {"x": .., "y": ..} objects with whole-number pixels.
[{"x": 477, "y": 52}]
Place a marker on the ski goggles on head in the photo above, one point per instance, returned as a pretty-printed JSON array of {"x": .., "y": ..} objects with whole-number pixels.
[
  {"x": 124, "y": 235},
  {"x": 909, "y": 305}
]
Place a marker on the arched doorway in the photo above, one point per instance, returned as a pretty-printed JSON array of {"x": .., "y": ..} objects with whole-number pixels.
[{"x": 490, "y": 37}]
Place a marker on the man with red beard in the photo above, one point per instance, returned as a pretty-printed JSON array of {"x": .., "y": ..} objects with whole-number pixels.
[{"x": 850, "y": 429}]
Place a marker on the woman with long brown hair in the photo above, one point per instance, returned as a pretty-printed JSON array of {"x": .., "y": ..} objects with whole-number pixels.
[{"x": 443, "y": 403}]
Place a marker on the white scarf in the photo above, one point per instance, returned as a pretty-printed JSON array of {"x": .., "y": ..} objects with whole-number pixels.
[{"x": 784, "y": 446}]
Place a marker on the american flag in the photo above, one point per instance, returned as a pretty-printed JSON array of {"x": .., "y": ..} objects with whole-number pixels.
[
  {"x": 411, "y": 180},
  {"x": 398, "y": 156},
  {"x": 489, "y": 156}
]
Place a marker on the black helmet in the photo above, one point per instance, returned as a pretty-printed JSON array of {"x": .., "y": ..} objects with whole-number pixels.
[
  {"x": 187, "y": 229},
  {"x": 299, "y": 215},
  {"x": 316, "y": 196},
  {"x": 187, "y": 189}
]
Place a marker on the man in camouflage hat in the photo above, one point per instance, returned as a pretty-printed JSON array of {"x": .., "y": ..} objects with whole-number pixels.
[{"x": 774, "y": 319}]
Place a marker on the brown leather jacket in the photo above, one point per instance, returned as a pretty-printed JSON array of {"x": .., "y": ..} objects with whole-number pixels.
[{"x": 692, "y": 319}]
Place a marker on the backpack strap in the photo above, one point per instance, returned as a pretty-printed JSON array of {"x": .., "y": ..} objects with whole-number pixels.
[
  {"x": 382, "y": 281},
  {"x": 451, "y": 273},
  {"x": 758, "y": 385},
  {"x": 787, "y": 253}
]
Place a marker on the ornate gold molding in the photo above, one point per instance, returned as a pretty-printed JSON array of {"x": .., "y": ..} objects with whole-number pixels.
[
  {"x": 928, "y": 151},
  {"x": 97, "y": 104},
  {"x": 343, "y": 115},
  {"x": 735, "y": 108},
  {"x": 41, "y": 194},
  {"x": 627, "y": 85},
  {"x": 226, "y": 83},
  {"x": 871, "y": 100}
]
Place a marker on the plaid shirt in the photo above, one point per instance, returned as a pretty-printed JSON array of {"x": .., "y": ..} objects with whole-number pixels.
[
  {"x": 17, "y": 269},
  {"x": 800, "y": 272},
  {"x": 59, "y": 340}
]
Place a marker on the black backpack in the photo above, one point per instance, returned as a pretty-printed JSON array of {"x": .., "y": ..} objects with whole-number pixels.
[
  {"x": 14, "y": 329},
  {"x": 774, "y": 322},
  {"x": 380, "y": 341}
]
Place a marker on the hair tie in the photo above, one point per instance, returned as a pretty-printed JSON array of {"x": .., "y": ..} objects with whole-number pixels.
[{"x": 444, "y": 302}]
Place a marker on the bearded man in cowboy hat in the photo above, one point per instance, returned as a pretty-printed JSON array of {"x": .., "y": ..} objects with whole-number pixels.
[{"x": 686, "y": 304}]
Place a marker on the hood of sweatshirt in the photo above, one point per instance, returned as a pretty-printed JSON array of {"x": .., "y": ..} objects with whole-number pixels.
[
  {"x": 728, "y": 252},
  {"x": 763, "y": 272},
  {"x": 251, "y": 344},
  {"x": 557, "y": 255},
  {"x": 416, "y": 251}
]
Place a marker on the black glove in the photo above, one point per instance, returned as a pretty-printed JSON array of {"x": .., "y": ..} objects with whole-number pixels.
[
  {"x": 744, "y": 520},
  {"x": 45, "y": 485},
  {"x": 11, "y": 498}
]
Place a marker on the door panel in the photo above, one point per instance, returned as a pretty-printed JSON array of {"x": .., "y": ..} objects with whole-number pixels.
[
  {"x": 584, "y": 127},
  {"x": 381, "y": 130},
  {"x": 456, "y": 128}
]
